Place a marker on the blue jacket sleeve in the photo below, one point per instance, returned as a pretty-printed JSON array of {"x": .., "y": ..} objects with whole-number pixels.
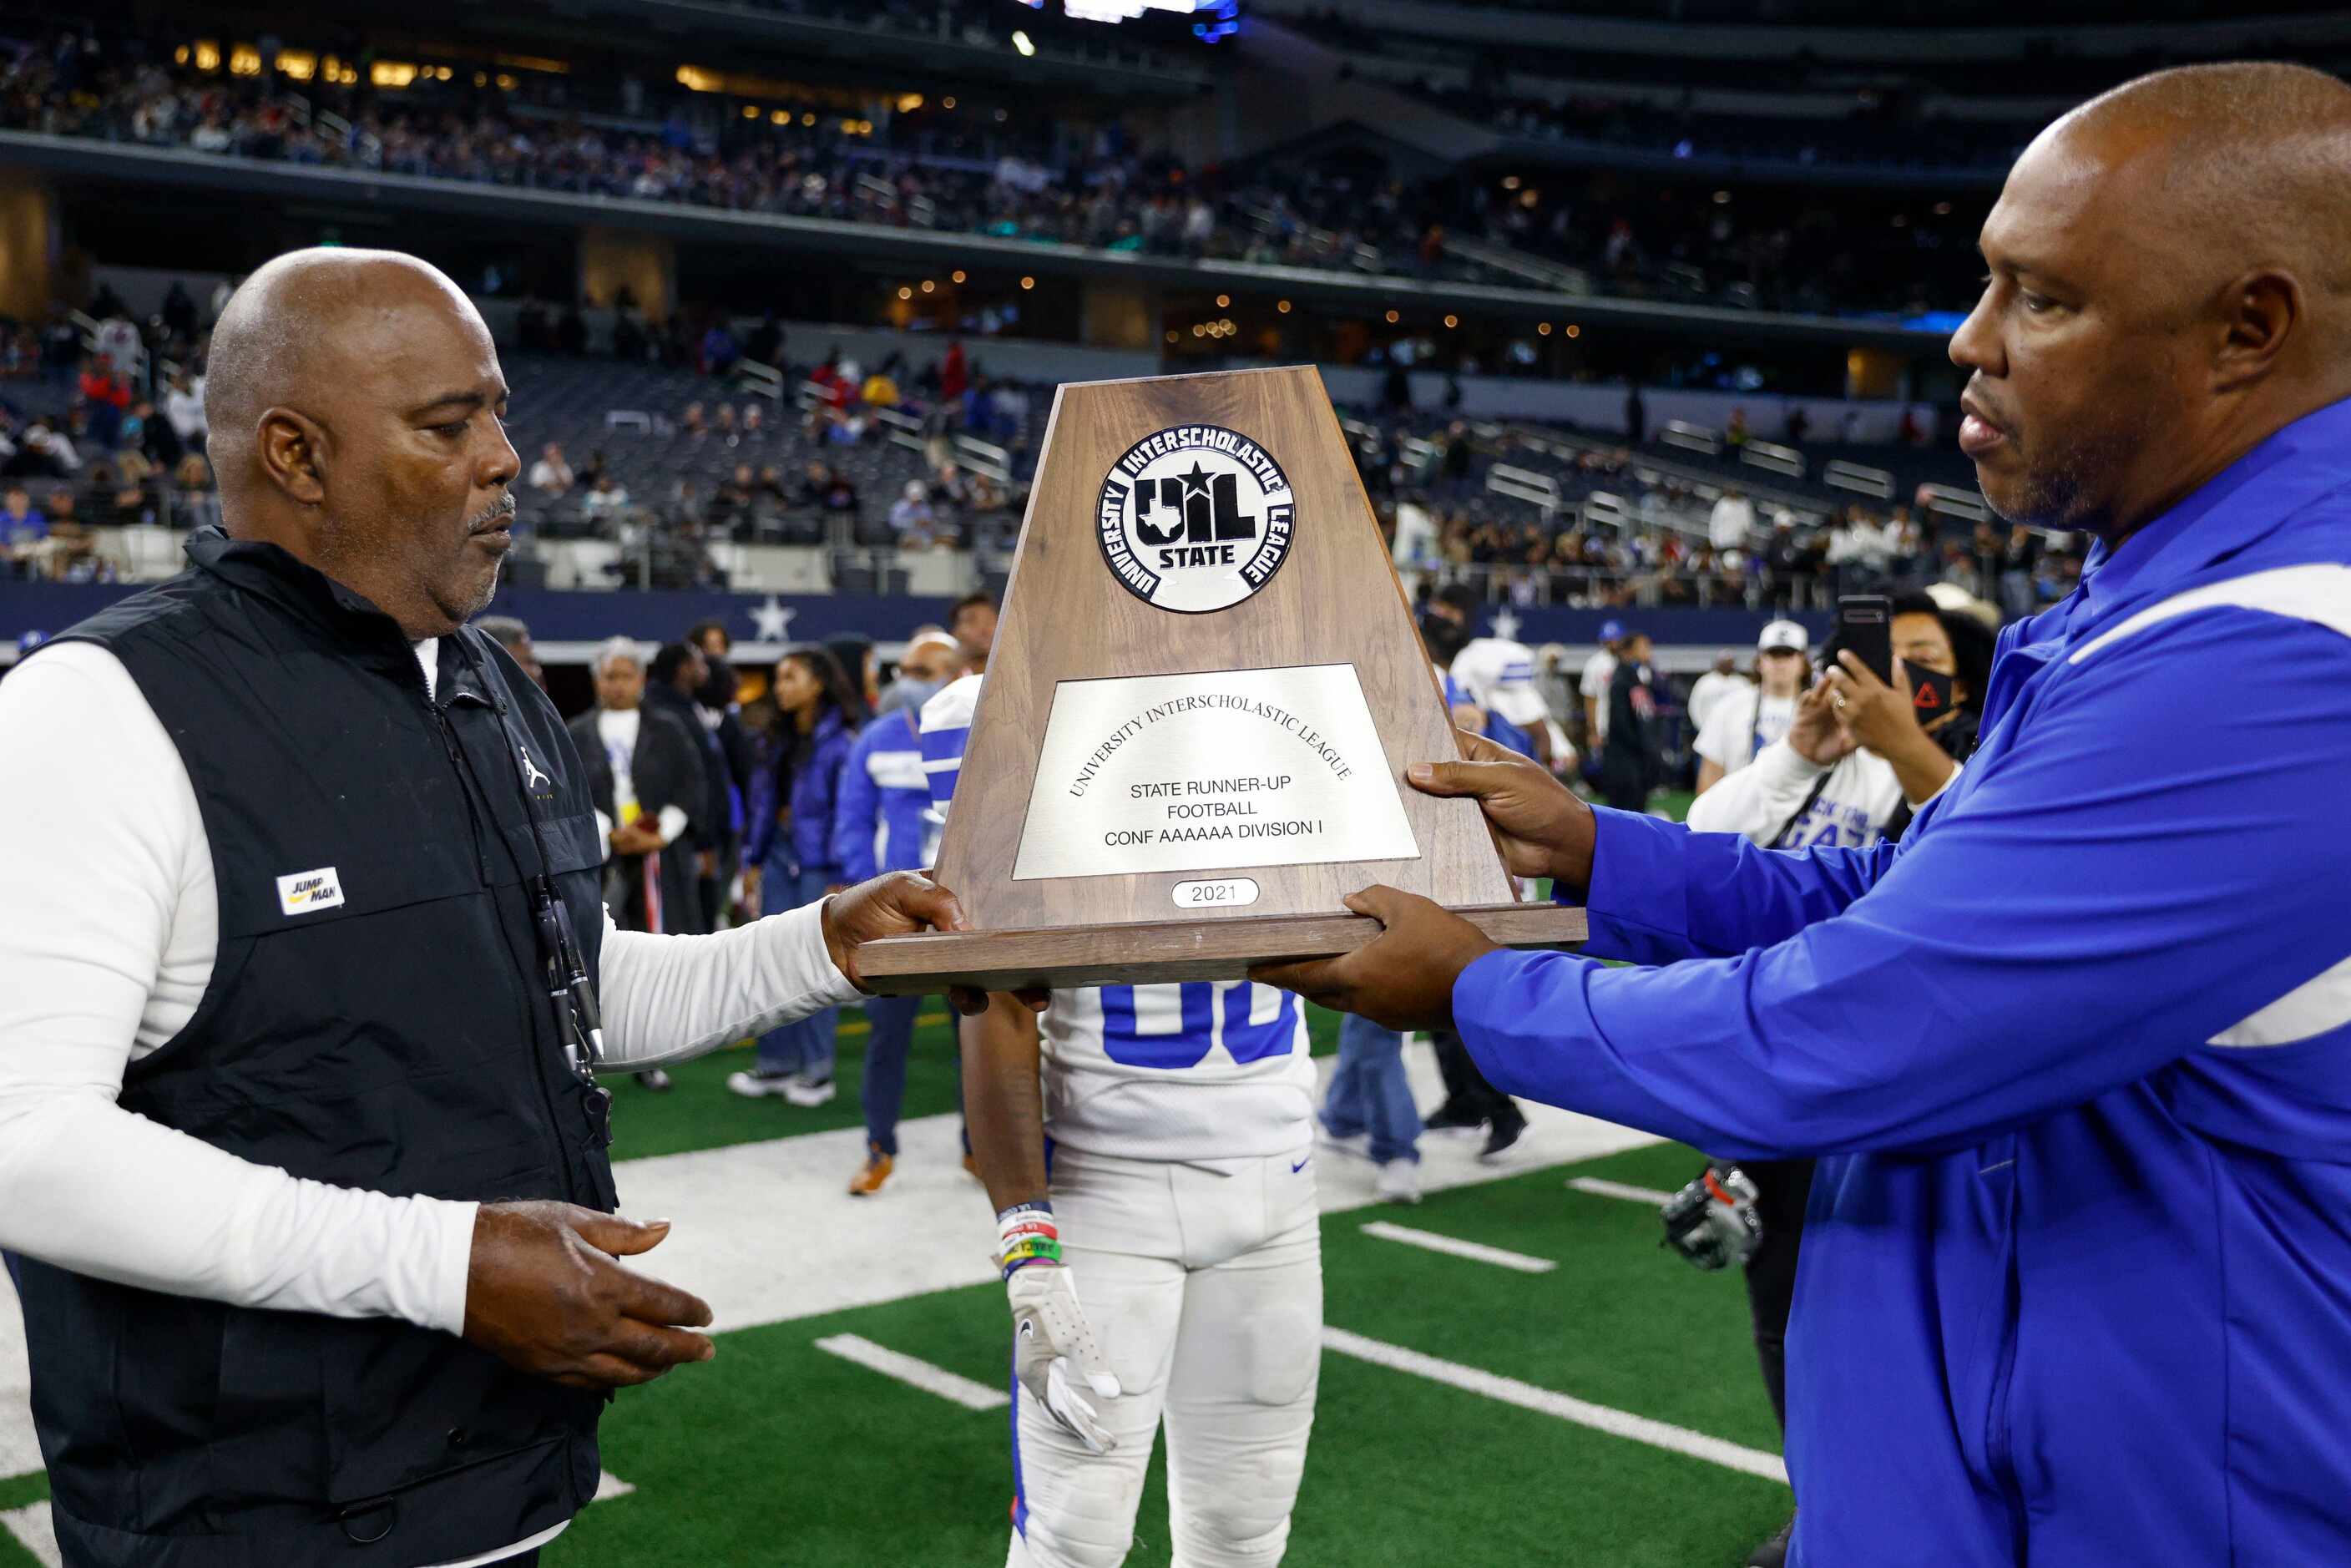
[
  {"x": 856, "y": 811},
  {"x": 2107, "y": 896},
  {"x": 759, "y": 810},
  {"x": 1660, "y": 893}
]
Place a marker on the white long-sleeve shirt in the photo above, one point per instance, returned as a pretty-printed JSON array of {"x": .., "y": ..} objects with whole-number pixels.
[
  {"x": 1850, "y": 809},
  {"x": 108, "y": 934}
]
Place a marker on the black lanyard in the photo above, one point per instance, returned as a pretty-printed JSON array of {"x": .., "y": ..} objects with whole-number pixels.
[{"x": 579, "y": 1019}]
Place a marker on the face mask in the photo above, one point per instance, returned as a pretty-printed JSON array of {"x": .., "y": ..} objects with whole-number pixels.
[
  {"x": 908, "y": 693},
  {"x": 1931, "y": 695}
]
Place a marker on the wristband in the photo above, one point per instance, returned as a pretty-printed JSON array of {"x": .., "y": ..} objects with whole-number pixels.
[{"x": 1026, "y": 1234}]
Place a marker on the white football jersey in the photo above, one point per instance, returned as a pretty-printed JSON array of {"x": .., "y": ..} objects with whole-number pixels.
[
  {"x": 1499, "y": 676},
  {"x": 1201, "y": 1071}
]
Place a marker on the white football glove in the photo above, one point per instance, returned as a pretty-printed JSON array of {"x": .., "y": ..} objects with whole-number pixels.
[{"x": 1054, "y": 1352}]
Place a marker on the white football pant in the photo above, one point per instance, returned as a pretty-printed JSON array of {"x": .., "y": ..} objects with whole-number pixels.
[{"x": 1204, "y": 1283}]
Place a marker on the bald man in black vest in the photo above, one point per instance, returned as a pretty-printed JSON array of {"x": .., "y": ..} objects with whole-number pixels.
[{"x": 301, "y": 1146}]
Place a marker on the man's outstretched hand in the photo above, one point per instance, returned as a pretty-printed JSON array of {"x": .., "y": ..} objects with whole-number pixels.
[
  {"x": 543, "y": 1293},
  {"x": 1402, "y": 978},
  {"x": 1544, "y": 828},
  {"x": 899, "y": 903}
]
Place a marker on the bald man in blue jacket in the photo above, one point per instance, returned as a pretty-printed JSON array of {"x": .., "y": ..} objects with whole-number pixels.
[{"x": 2076, "y": 1281}]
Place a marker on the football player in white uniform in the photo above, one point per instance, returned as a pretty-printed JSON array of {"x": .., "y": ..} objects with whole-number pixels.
[{"x": 1161, "y": 1244}]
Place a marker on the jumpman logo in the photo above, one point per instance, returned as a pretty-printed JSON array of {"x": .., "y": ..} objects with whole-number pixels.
[{"x": 532, "y": 776}]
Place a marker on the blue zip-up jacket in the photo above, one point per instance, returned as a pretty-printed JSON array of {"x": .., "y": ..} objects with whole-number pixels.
[
  {"x": 814, "y": 785},
  {"x": 2076, "y": 1286},
  {"x": 880, "y": 822}
]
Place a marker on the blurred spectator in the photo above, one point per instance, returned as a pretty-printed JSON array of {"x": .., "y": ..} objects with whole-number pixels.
[
  {"x": 605, "y": 501},
  {"x": 198, "y": 502},
  {"x": 954, "y": 375},
  {"x": 764, "y": 346},
  {"x": 912, "y": 520},
  {"x": 551, "y": 477},
  {"x": 1732, "y": 520},
  {"x": 1738, "y": 726},
  {"x": 1723, "y": 680},
  {"x": 106, "y": 396},
  {"x": 718, "y": 351},
  {"x": 24, "y": 534}
]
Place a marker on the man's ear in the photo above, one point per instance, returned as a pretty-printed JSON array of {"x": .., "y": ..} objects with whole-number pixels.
[
  {"x": 2259, "y": 314},
  {"x": 292, "y": 449}
]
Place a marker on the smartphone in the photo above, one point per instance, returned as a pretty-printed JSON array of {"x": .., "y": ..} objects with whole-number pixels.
[{"x": 1866, "y": 626}]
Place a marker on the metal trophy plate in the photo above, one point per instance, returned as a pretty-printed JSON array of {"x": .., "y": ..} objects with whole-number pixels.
[{"x": 1206, "y": 686}]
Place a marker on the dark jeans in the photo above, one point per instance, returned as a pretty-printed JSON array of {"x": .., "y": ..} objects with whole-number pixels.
[
  {"x": 805, "y": 1046},
  {"x": 893, "y": 1020},
  {"x": 1783, "y": 1187},
  {"x": 1466, "y": 1089},
  {"x": 1369, "y": 1092}
]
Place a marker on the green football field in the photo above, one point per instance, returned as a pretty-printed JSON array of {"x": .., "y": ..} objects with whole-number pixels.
[{"x": 1603, "y": 1410}]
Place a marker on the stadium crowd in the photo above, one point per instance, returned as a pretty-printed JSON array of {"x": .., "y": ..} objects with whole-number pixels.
[
  {"x": 1018, "y": 178},
  {"x": 865, "y": 457}
]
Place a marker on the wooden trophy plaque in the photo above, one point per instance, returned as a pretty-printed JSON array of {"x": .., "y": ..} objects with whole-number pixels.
[{"x": 1206, "y": 686}]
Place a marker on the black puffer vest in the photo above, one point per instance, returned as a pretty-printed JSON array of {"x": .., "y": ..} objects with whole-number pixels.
[{"x": 376, "y": 1019}]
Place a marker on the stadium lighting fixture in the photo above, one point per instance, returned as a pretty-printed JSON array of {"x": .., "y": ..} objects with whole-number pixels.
[
  {"x": 956, "y": 275},
  {"x": 1452, "y": 320},
  {"x": 1574, "y": 330},
  {"x": 1722, "y": 198},
  {"x": 1509, "y": 182},
  {"x": 929, "y": 286},
  {"x": 910, "y": 102},
  {"x": 1394, "y": 317},
  {"x": 947, "y": 102},
  {"x": 1027, "y": 283},
  {"x": 1020, "y": 42},
  {"x": 1172, "y": 334},
  {"x": 809, "y": 118},
  {"x": 904, "y": 292},
  {"x": 1283, "y": 306},
  {"x": 1942, "y": 209},
  {"x": 1544, "y": 329},
  {"x": 750, "y": 111},
  {"x": 1224, "y": 301}
]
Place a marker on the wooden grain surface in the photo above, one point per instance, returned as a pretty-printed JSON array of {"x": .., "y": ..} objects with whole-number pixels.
[
  {"x": 1161, "y": 952},
  {"x": 1336, "y": 600}
]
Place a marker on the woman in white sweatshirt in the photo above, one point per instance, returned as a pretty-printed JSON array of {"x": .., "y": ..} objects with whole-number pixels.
[{"x": 1861, "y": 757}]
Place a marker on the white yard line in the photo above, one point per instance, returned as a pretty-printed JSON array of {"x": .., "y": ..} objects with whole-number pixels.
[
  {"x": 1527, "y": 1397},
  {"x": 33, "y": 1529},
  {"x": 1476, "y": 1251},
  {"x": 914, "y": 1370},
  {"x": 1599, "y": 1187}
]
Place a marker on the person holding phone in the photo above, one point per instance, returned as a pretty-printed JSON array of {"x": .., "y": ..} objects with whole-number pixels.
[{"x": 1861, "y": 754}]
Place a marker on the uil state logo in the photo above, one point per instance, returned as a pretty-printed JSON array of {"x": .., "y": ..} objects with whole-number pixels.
[{"x": 1194, "y": 518}]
